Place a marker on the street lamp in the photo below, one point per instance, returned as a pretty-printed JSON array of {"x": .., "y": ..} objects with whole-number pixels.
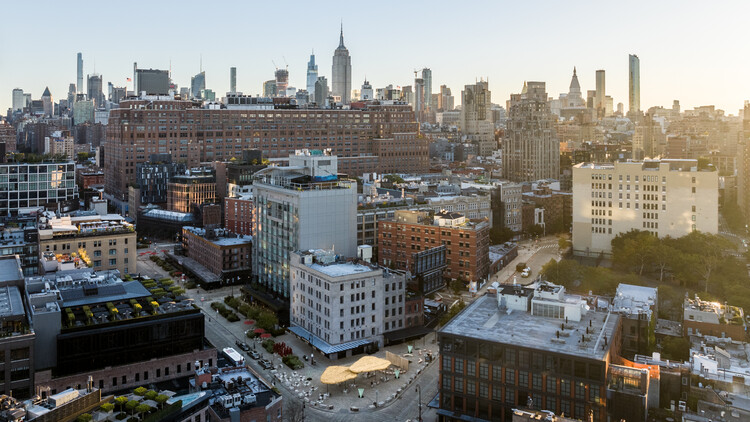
[{"x": 419, "y": 390}]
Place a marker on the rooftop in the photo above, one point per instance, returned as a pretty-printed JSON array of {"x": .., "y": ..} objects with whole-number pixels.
[
  {"x": 633, "y": 300},
  {"x": 332, "y": 265},
  {"x": 223, "y": 237},
  {"x": 10, "y": 269},
  {"x": 484, "y": 320},
  {"x": 51, "y": 226}
]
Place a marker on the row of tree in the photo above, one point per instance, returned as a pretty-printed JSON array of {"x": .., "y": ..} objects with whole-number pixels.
[{"x": 699, "y": 261}]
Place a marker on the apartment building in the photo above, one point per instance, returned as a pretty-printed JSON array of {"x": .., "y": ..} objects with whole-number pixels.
[
  {"x": 238, "y": 214},
  {"x": 302, "y": 206},
  {"x": 664, "y": 197},
  {"x": 25, "y": 185},
  {"x": 194, "y": 188},
  {"x": 104, "y": 242},
  {"x": 534, "y": 347},
  {"x": 373, "y": 136},
  {"x": 225, "y": 255},
  {"x": 409, "y": 232},
  {"x": 343, "y": 306}
]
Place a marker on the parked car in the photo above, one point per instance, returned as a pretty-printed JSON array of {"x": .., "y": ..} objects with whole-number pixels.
[
  {"x": 253, "y": 354},
  {"x": 243, "y": 346},
  {"x": 526, "y": 272},
  {"x": 265, "y": 363}
]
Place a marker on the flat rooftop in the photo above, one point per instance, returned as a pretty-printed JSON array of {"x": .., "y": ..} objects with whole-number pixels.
[
  {"x": 10, "y": 269},
  {"x": 484, "y": 320},
  {"x": 341, "y": 269},
  {"x": 11, "y": 305}
]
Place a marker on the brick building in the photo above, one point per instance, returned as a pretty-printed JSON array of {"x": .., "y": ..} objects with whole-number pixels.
[
  {"x": 88, "y": 177},
  {"x": 371, "y": 137},
  {"x": 704, "y": 318},
  {"x": 238, "y": 215},
  {"x": 558, "y": 206},
  {"x": 224, "y": 255},
  {"x": 196, "y": 187},
  {"x": 466, "y": 242}
]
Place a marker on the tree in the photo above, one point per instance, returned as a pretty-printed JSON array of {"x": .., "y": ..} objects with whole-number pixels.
[
  {"x": 564, "y": 272},
  {"x": 563, "y": 243},
  {"x": 131, "y": 405},
  {"x": 85, "y": 417},
  {"x": 142, "y": 408},
  {"x": 500, "y": 235},
  {"x": 161, "y": 399},
  {"x": 83, "y": 156},
  {"x": 121, "y": 401},
  {"x": 140, "y": 391},
  {"x": 107, "y": 407},
  {"x": 267, "y": 320},
  {"x": 150, "y": 395},
  {"x": 632, "y": 250},
  {"x": 295, "y": 410}
]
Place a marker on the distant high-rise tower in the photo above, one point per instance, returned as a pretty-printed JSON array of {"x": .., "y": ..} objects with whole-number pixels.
[
  {"x": 600, "y": 93},
  {"x": 419, "y": 99},
  {"x": 79, "y": 79},
  {"x": 575, "y": 98},
  {"x": 47, "y": 103},
  {"x": 282, "y": 81},
  {"x": 366, "y": 93},
  {"x": 634, "y": 84},
  {"x": 427, "y": 78},
  {"x": 321, "y": 91},
  {"x": 312, "y": 76},
  {"x": 94, "y": 90},
  {"x": 233, "y": 79},
  {"x": 18, "y": 100},
  {"x": 341, "y": 74},
  {"x": 197, "y": 84},
  {"x": 476, "y": 117},
  {"x": 269, "y": 88},
  {"x": 530, "y": 147}
]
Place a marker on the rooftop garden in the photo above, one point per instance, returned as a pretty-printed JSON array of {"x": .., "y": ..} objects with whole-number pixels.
[{"x": 142, "y": 405}]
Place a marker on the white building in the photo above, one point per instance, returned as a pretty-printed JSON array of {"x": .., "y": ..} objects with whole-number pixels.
[
  {"x": 665, "y": 197},
  {"x": 301, "y": 206},
  {"x": 340, "y": 305}
]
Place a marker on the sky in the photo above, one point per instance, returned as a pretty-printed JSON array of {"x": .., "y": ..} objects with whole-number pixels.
[{"x": 691, "y": 51}]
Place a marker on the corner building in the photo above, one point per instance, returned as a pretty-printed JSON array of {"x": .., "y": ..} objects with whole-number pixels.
[{"x": 375, "y": 136}]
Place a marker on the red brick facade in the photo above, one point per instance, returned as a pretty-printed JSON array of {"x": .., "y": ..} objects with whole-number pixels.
[
  {"x": 467, "y": 247},
  {"x": 374, "y": 138},
  {"x": 238, "y": 215}
]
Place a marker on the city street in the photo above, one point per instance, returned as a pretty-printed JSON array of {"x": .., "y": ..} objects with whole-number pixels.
[{"x": 222, "y": 333}]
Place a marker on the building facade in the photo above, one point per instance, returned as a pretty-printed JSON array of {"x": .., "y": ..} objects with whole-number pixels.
[
  {"x": 225, "y": 255},
  {"x": 371, "y": 138},
  {"x": 476, "y": 117},
  {"x": 238, "y": 214},
  {"x": 530, "y": 147},
  {"x": 346, "y": 304},
  {"x": 40, "y": 184},
  {"x": 466, "y": 242},
  {"x": 108, "y": 241},
  {"x": 664, "y": 197},
  {"x": 304, "y": 206},
  {"x": 341, "y": 73},
  {"x": 194, "y": 188}
]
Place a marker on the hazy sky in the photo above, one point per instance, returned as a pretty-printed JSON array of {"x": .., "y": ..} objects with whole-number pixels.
[{"x": 689, "y": 50}]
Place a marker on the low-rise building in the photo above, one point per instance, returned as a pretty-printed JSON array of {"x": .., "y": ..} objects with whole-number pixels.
[
  {"x": 194, "y": 188},
  {"x": 638, "y": 306},
  {"x": 225, "y": 255},
  {"x": 105, "y": 242},
  {"x": 502, "y": 255},
  {"x": 240, "y": 395},
  {"x": 116, "y": 331},
  {"x": 702, "y": 318},
  {"x": 44, "y": 184},
  {"x": 238, "y": 214},
  {"x": 89, "y": 177},
  {"x": 532, "y": 347},
  {"x": 344, "y": 306},
  {"x": 410, "y": 232}
]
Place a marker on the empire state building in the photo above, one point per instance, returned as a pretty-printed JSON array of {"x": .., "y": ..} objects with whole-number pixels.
[{"x": 342, "y": 72}]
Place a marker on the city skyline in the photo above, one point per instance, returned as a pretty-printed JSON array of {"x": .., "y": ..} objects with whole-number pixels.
[{"x": 457, "y": 58}]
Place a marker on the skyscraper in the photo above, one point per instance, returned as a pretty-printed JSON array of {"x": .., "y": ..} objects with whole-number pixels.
[
  {"x": 79, "y": 79},
  {"x": 366, "y": 93},
  {"x": 530, "y": 147},
  {"x": 197, "y": 84},
  {"x": 233, "y": 80},
  {"x": 18, "y": 100},
  {"x": 269, "y": 88},
  {"x": 150, "y": 81},
  {"x": 47, "y": 103},
  {"x": 94, "y": 89},
  {"x": 312, "y": 76},
  {"x": 476, "y": 117},
  {"x": 427, "y": 78},
  {"x": 282, "y": 81},
  {"x": 634, "y": 84},
  {"x": 600, "y": 93},
  {"x": 321, "y": 91},
  {"x": 341, "y": 74}
]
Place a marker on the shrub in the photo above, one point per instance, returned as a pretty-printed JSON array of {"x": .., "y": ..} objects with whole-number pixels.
[
  {"x": 121, "y": 416},
  {"x": 85, "y": 417},
  {"x": 166, "y": 283},
  {"x": 232, "y": 317},
  {"x": 293, "y": 362},
  {"x": 150, "y": 395},
  {"x": 268, "y": 345},
  {"x": 232, "y": 301},
  {"x": 190, "y": 285},
  {"x": 140, "y": 391},
  {"x": 107, "y": 407}
]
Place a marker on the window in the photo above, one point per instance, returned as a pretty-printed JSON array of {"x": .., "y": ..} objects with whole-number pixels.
[
  {"x": 551, "y": 384},
  {"x": 510, "y": 376},
  {"x": 471, "y": 388},
  {"x": 565, "y": 388},
  {"x": 497, "y": 393},
  {"x": 447, "y": 382},
  {"x": 483, "y": 390},
  {"x": 510, "y": 396},
  {"x": 523, "y": 379},
  {"x": 113, "y": 261},
  {"x": 536, "y": 381},
  {"x": 446, "y": 363},
  {"x": 458, "y": 385},
  {"x": 458, "y": 367},
  {"x": 580, "y": 391},
  {"x": 113, "y": 251},
  {"x": 483, "y": 370},
  {"x": 97, "y": 253},
  {"x": 471, "y": 368}
]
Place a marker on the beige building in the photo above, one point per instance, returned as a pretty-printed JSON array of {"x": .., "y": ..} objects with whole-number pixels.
[
  {"x": 665, "y": 197},
  {"x": 104, "y": 242}
]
